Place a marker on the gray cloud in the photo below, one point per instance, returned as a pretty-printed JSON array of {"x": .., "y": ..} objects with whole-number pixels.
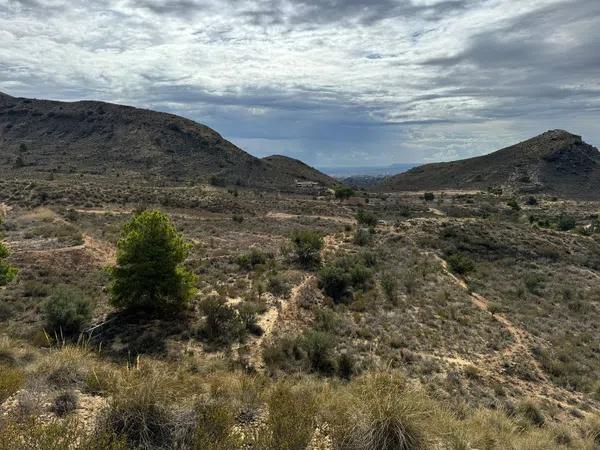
[{"x": 330, "y": 81}]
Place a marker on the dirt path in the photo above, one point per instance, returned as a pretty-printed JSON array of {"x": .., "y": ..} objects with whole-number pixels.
[
  {"x": 285, "y": 311},
  {"x": 286, "y": 216},
  {"x": 279, "y": 311},
  {"x": 522, "y": 339}
]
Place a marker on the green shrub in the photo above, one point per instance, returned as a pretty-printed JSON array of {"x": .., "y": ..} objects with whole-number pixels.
[
  {"x": 277, "y": 286},
  {"x": 11, "y": 380},
  {"x": 253, "y": 258},
  {"x": 67, "y": 311},
  {"x": 429, "y": 196},
  {"x": 285, "y": 353},
  {"x": 223, "y": 324},
  {"x": 318, "y": 346},
  {"x": 460, "y": 263},
  {"x": 566, "y": 223},
  {"x": 7, "y": 272},
  {"x": 149, "y": 274},
  {"x": 366, "y": 218},
  {"x": 343, "y": 193},
  {"x": 514, "y": 204},
  {"x": 534, "y": 283},
  {"x": 389, "y": 284},
  {"x": 307, "y": 246},
  {"x": 248, "y": 315},
  {"x": 362, "y": 237},
  {"x": 345, "y": 366},
  {"x": 335, "y": 282}
]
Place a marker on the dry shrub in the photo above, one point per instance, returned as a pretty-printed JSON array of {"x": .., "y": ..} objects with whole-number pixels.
[
  {"x": 381, "y": 412},
  {"x": 140, "y": 410},
  {"x": 291, "y": 421},
  {"x": 11, "y": 380}
]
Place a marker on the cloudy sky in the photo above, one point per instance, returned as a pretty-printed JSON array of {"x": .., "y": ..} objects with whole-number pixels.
[{"x": 333, "y": 82}]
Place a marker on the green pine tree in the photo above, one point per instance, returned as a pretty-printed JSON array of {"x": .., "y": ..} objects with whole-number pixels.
[{"x": 149, "y": 274}]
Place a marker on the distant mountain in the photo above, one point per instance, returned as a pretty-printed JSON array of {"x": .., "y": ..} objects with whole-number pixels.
[
  {"x": 103, "y": 138},
  {"x": 556, "y": 163},
  {"x": 367, "y": 171}
]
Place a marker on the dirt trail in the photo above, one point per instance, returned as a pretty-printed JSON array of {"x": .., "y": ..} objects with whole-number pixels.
[
  {"x": 287, "y": 216},
  {"x": 278, "y": 312},
  {"x": 521, "y": 337},
  {"x": 286, "y": 311}
]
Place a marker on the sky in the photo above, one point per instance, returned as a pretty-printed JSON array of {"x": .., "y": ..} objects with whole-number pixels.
[{"x": 331, "y": 82}]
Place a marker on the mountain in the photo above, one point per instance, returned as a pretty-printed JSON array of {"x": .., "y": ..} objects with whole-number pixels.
[
  {"x": 555, "y": 163},
  {"x": 104, "y": 138},
  {"x": 298, "y": 170}
]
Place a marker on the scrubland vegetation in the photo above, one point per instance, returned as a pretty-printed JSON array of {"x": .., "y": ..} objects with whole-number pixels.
[{"x": 204, "y": 318}]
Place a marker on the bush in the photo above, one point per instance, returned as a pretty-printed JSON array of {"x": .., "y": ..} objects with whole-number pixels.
[
  {"x": 345, "y": 366},
  {"x": 253, "y": 258},
  {"x": 149, "y": 274},
  {"x": 366, "y": 218},
  {"x": 307, "y": 246},
  {"x": 531, "y": 201},
  {"x": 389, "y": 284},
  {"x": 429, "y": 196},
  {"x": 318, "y": 346},
  {"x": 566, "y": 223},
  {"x": 531, "y": 412},
  {"x": 362, "y": 237},
  {"x": 277, "y": 286},
  {"x": 223, "y": 324},
  {"x": 290, "y": 423},
  {"x": 383, "y": 413},
  {"x": 335, "y": 282},
  {"x": 11, "y": 380},
  {"x": 337, "y": 278},
  {"x": 7, "y": 272},
  {"x": 460, "y": 264},
  {"x": 139, "y": 413},
  {"x": 65, "y": 403},
  {"x": 514, "y": 205},
  {"x": 343, "y": 193},
  {"x": 67, "y": 311}
]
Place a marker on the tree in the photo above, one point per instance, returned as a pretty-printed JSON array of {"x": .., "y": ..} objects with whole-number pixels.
[
  {"x": 429, "y": 196},
  {"x": 149, "y": 274},
  {"x": 307, "y": 246}
]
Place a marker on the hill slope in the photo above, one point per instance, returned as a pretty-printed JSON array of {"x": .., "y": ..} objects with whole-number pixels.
[
  {"x": 296, "y": 168},
  {"x": 555, "y": 162},
  {"x": 103, "y": 138}
]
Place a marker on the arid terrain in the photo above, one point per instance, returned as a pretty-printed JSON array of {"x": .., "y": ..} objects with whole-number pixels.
[{"x": 470, "y": 318}]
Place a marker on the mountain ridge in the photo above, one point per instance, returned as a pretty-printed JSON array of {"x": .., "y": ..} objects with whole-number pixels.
[
  {"x": 555, "y": 162},
  {"x": 99, "y": 137}
]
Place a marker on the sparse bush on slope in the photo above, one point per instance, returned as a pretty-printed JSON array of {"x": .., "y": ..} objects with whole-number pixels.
[
  {"x": 7, "y": 272},
  {"x": 307, "y": 246},
  {"x": 67, "y": 311}
]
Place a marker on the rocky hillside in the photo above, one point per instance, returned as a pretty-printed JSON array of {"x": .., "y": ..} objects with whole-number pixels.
[
  {"x": 555, "y": 163},
  {"x": 296, "y": 169},
  {"x": 101, "y": 138}
]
